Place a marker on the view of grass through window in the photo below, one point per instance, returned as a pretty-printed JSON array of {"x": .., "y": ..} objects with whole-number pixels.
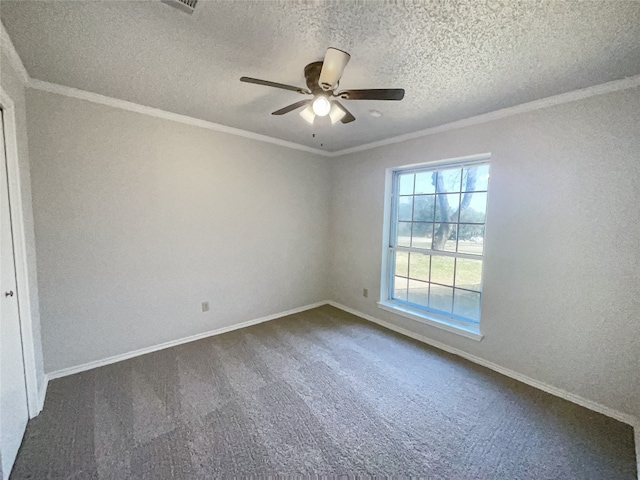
[{"x": 437, "y": 239}]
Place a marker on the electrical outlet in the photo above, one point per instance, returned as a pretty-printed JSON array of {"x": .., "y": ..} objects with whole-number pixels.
[
  {"x": 365, "y": 292},
  {"x": 205, "y": 306}
]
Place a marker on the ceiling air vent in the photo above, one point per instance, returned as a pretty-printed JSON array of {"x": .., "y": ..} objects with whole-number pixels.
[{"x": 187, "y": 6}]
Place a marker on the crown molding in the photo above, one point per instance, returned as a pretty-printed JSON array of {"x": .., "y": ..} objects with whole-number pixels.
[
  {"x": 16, "y": 62},
  {"x": 583, "y": 93},
  {"x": 568, "y": 97},
  {"x": 14, "y": 59},
  {"x": 158, "y": 113}
]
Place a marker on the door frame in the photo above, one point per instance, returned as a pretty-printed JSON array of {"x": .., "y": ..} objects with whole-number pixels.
[{"x": 34, "y": 402}]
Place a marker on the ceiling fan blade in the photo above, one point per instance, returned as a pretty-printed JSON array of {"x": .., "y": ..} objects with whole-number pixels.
[
  {"x": 291, "y": 107},
  {"x": 348, "y": 118},
  {"x": 373, "y": 94},
  {"x": 267, "y": 83},
  {"x": 332, "y": 67}
]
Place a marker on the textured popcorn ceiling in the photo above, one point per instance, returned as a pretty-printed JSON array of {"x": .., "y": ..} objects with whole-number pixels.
[{"x": 455, "y": 59}]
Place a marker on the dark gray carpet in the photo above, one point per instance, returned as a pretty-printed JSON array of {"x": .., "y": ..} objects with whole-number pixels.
[{"x": 317, "y": 393}]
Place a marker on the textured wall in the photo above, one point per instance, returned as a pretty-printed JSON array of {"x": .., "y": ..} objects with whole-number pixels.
[
  {"x": 139, "y": 220},
  {"x": 561, "y": 282},
  {"x": 12, "y": 85}
]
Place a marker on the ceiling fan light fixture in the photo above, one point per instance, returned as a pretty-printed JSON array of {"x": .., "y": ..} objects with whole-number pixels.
[
  {"x": 308, "y": 114},
  {"x": 321, "y": 106},
  {"x": 336, "y": 114}
]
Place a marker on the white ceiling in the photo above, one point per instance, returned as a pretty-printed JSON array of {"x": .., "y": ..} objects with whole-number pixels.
[{"x": 455, "y": 59}]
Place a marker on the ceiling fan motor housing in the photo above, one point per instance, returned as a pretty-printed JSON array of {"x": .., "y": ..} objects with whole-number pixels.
[{"x": 312, "y": 75}]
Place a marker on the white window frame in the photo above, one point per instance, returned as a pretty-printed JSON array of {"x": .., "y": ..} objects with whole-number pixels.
[{"x": 466, "y": 329}]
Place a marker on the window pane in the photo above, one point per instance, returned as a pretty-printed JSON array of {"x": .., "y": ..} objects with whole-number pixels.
[
  {"x": 449, "y": 180},
  {"x": 441, "y": 298},
  {"x": 471, "y": 239},
  {"x": 469, "y": 274},
  {"x": 422, "y": 235},
  {"x": 476, "y": 209},
  {"x": 425, "y": 182},
  {"x": 405, "y": 208},
  {"x": 402, "y": 264},
  {"x": 447, "y": 207},
  {"x": 424, "y": 208},
  {"x": 475, "y": 178},
  {"x": 440, "y": 213},
  {"x": 467, "y": 304},
  {"x": 405, "y": 184},
  {"x": 404, "y": 234},
  {"x": 444, "y": 237},
  {"x": 470, "y": 233},
  {"x": 399, "y": 288},
  {"x": 419, "y": 266},
  {"x": 442, "y": 269},
  {"x": 418, "y": 292}
]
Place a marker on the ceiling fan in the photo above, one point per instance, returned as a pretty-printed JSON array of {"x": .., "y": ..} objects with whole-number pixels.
[{"x": 322, "y": 82}]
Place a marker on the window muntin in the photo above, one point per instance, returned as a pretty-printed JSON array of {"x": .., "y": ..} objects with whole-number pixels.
[{"x": 436, "y": 240}]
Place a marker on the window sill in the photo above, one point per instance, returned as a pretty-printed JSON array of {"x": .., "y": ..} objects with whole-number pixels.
[{"x": 432, "y": 320}]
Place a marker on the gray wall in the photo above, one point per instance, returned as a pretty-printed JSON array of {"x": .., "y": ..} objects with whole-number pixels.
[
  {"x": 561, "y": 281},
  {"x": 139, "y": 220},
  {"x": 12, "y": 85}
]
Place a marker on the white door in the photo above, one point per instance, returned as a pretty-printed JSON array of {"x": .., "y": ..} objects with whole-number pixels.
[{"x": 13, "y": 393}]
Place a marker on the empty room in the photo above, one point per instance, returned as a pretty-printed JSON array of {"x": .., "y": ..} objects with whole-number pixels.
[{"x": 320, "y": 239}]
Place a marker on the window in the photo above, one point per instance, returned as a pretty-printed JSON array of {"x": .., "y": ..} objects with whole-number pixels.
[{"x": 434, "y": 259}]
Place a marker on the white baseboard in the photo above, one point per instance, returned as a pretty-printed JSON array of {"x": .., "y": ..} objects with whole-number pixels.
[
  {"x": 142, "y": 351},
  {"x": 42, "y": 393},
  {"x": 596, "y": 407}
]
